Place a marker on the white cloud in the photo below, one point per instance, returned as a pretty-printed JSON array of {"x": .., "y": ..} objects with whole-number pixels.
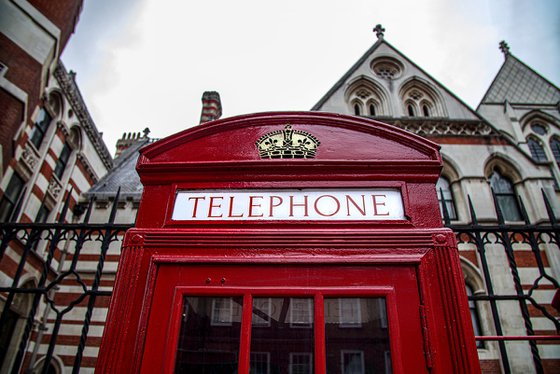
[{"x": 151, "y": 63}]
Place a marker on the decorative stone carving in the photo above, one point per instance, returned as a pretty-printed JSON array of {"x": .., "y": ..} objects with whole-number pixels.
[
  {"x": 446, "y": 128},
  {"x": 54, "y": 188},
  {"x": 29, "y": 157}
]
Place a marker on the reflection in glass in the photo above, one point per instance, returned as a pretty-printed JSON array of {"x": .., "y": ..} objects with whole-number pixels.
[
  {"x": 282, "y": 336},
  {"x": 209, "y": 335},
  {"x": 356, "y": 336}
]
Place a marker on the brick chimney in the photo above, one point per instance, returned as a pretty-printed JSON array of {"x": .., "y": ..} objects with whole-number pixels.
[
  {"x": 211, "y": 106},
  {"x": 129, "y": 139}
]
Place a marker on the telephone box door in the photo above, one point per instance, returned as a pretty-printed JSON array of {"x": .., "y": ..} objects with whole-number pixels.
[{"x": 281, "y": 318}]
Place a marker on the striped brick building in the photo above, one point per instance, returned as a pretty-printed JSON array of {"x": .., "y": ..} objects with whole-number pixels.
[{"x": 51, "y": 150}]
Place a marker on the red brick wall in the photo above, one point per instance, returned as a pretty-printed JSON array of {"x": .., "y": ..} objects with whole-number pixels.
[
  {"x": 63, "y": 13},
  {"x": 12, "y": 115}
]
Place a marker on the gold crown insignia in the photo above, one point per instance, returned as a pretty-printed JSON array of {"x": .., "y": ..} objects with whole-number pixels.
[{"x": 287, "y": 143}]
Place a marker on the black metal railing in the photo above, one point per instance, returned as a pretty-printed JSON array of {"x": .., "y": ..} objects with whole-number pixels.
[
  {"x": 55, "y": 253},
  {"x": 507, "y": 238},
  {"x": 51, "y": 253}
]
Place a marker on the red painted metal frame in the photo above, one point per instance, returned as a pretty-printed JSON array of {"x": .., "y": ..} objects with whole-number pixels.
[
  {"x": 160, "y": 351},
  {"x": 354, "y": 153}
]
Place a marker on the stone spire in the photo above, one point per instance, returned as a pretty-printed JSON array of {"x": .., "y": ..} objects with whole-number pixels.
[
  {"x": 379, "y": 31},
  {"x": 504, "y": 47}
]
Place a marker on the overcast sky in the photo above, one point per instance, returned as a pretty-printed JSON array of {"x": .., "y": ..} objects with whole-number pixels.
[{"x": 146, "y": 63}]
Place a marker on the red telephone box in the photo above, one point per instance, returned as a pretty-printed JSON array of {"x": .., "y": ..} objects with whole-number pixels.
[{"x": 289, "y": 243}]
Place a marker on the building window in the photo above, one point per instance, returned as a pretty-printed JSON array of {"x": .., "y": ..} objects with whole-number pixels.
[
  {"x": 474, "y": 317},
  {"x": 419, "y": 99},
  {"x": 505, "y": 196},
  {"x": 537, "y": 151},
  {"x": 555, "y": 148},
  {"x": 301, "y": 363},
  {"x": 352, "y": 362},
  {"x": 357, "y": 110},
  {"x": 445, "y": 196},
  {"x": 301, "y": 312},
  {"x": 260, "y": 363},
  {"x": 62, "y": 161},
  {"x": 222, "y": 311},
  {"x": 40, "y": 127},
  {"x": 364, "y": 98},
  {"x": 538, "y": 128},
  {"x": 425, "y": 110},
  {"x": 262, "y": 310},
  {"x": 350, "y": 312},
  {"x": 11, "y": 198},
  {"x": 43, "y": 213}
]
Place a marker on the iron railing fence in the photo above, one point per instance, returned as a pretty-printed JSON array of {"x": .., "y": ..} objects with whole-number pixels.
[
  {"x": 54, "y": 253},
  {"x": 509, "y": 239},
  {"x": 51, "y": 253}
]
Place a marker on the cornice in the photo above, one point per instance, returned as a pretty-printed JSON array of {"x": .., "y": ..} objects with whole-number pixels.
[{"x": 73, "y": 95}]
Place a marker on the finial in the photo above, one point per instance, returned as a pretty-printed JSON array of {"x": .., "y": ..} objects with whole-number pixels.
[
  {"x": 379, "y": 31},
  {"x": 146, "y": 132},
  {"x": 504, "y": 47}
]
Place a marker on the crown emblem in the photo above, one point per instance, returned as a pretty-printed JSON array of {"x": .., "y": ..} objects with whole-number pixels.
[{"x": 287, "y": 143}]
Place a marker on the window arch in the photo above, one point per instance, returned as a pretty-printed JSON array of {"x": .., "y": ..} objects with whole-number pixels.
[
  {"x": 40, "y": 127},
  {"x": 475, "y": 317},
  {"x": 425, "y": 110},
  {"x": 537, "y": 151},
  {"x": 357, "y": 109},
  {"x": 474, "y": 285},
  {"x": 410, "y": 109},
  {"x": 420, "y": 100},
  {"x": 365, "y": 98},
  {"x": 555, "y": 148},
  {"x": 445, "y": 197},
  {"x": 504, "y": 193}
]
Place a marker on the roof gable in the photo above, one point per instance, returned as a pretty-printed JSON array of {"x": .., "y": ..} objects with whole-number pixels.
[{"x": 334, "y": 99}]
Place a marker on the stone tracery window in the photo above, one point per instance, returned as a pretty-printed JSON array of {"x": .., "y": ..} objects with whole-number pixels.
[
  {"x": 506, "y": 198},
  {"x": 365, "y": 100},
  {"x": 419, "y": 100},
  {"x": 537, "y": 151},
  {"x": 555, "y": 148},
  {"x": 445, "y": 197}
]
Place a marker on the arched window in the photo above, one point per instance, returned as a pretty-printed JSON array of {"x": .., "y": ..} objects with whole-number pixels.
[
  {"x": 475, "y": 318},
  {"x": 445, "y": 197},
  {"x": 420, "y": 99},
  {"x": 537, "y": 151},
  {"x": 410, "y": 110},
  {"x": 40, "y": 128},
  {"x": 538, "y": 128},
  {"x": 505, "y": 196},
  {"x": 366, "y": 98},
  {"x": 425, "y": 110},
  {"x": 555, "y": 148}
]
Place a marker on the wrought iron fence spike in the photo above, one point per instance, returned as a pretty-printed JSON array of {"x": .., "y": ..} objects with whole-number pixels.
[
  {"x": 445, "y": 212},
  {"x": 114, "y": 207},
  {"x": 549, "y": 209},
  {"x": 64, "y": 211},
  {"x": 499, "y": 213},
  {"x": 523, "y": 210},
  {"x": 471, "y": 210}
]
